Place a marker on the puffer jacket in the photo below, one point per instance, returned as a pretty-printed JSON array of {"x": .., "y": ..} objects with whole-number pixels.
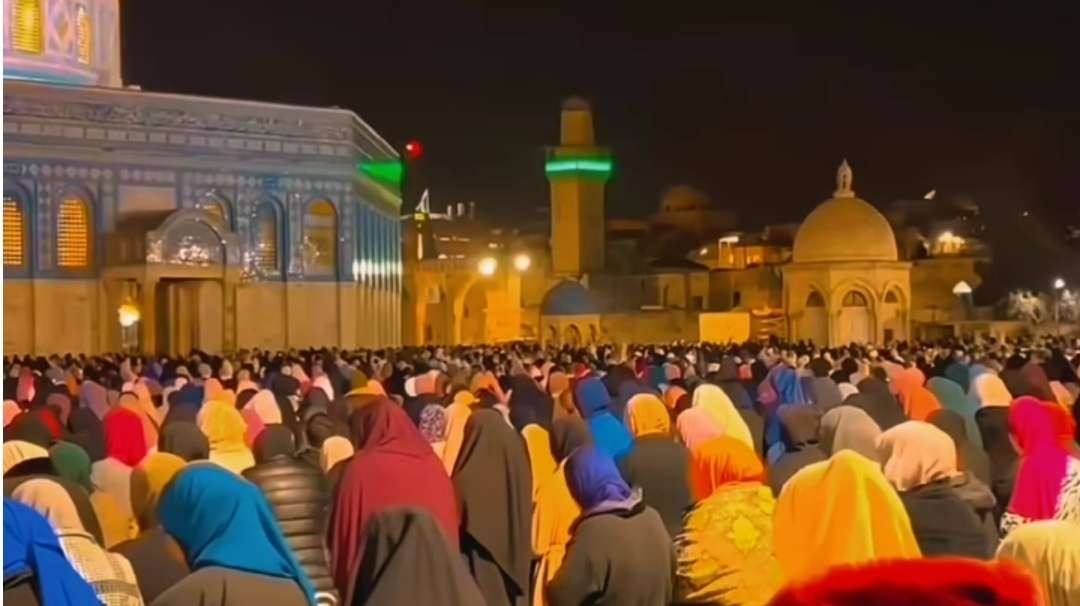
[{"x": 299, "y": 495}]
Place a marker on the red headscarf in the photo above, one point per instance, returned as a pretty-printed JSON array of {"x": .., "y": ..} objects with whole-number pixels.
[
  {"x": 394, "y": 466},
  {"x": 1041, "y": 435},
  {"x": 124, "y": 440}
]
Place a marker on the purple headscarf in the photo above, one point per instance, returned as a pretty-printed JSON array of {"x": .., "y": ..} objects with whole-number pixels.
[{"x": 596, "y": 484}]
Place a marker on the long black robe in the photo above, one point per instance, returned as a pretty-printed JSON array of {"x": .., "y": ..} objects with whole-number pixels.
[
  {"x": 993, "y": 422},
  {"x": 878, "y": 403},
  {"x": 660, "y": 466},
  {"x": 943, "y": 524},
  {"x": 799, "y": 432}
]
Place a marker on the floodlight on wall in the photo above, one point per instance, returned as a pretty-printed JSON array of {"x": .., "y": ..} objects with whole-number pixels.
[
  {"x": 128, "y": 314},
  {"x": 487, "y": 266},
  {"x": 522, "y": 262}
]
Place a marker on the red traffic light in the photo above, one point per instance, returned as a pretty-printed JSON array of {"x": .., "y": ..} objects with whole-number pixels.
[{"x": 413, "y": 149}]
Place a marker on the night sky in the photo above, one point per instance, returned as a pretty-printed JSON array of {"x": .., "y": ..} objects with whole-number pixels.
[{"x": 976, "y": 101}]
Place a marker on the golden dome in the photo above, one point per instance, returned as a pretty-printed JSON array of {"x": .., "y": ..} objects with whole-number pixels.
[{"x": 845, "y": 228}]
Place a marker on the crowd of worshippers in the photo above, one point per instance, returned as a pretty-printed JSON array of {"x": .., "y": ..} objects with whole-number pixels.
[{"x": 761, "y": 473}]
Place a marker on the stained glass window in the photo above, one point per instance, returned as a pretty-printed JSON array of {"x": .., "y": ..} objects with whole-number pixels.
[
  {"x": 73, "y": 233},
  {"x": 320, "y": 239},
  {"x": 854, "y": 299},
  {"x": 13, "y": 232},
  {"x": 83, "y": 33},
  {"x": 26, "y": 33},
  {"x": 266, "y": 236}
]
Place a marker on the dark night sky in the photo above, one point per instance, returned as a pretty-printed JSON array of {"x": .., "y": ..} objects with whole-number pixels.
[{"x": 979, "y": 100}]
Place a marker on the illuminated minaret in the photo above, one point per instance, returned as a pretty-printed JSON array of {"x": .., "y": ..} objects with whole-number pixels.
[{"x": 577, "y": 171}]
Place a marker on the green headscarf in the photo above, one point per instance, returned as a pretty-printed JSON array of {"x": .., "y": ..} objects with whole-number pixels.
[{"x": 72, "y": 463}]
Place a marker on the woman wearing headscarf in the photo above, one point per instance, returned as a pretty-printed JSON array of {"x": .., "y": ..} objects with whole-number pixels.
[
  {"x": 824, "y": 393},
  {"x": 139, "y": 401},
  {"x": 11, "y": 410},
  {"x": 299, "y": 496},
  {"x": 393, "y": 467},
  {"x": 88, "y": 432},
  {"x": 789, "y": 392},
  {"x": 36, "y": 569},
  {"x": 225, "y": 428},
  {"x": 155, "y": 556},
  {"x": 658, "y": 464},
  {"x": 407, "y": 560},
  {"x": 800, "y": 427},
  {"x": 1040, "y": 383},
  {"x": 850, "y": 428},
  {"x": 73, "y": 464},
  {"x": 970, "y": 458},
  {"x": 696, "y": 426},
  {"x": 559, "y": 388},
  {"x": 620, "y": 552},
  {"x": 433, "y": 427},
  {"x": 525, "y": 393},
  {"x": 1051, "y": 550},
  {"x": 233, "y": 544},
  {"x": 125, "y": 447},
  {"x": 993, "y": 422},
  {"x": 1048, "y": 475},
  {"x": 109, "y": 574},
  {"x": 555, "y": 509},
  {"x": 260, "y": 411},
  {"x": 990, "y": 390},
  {"x": 919, "y": 460},
  {"x": 952, "y": 397},
  {"x": 918, "y": 401},
  {"x": 185, "y": 440},
  {"x": 937, "y": 581},
  {"x": 875, "y": 398},
  {"x": 537, "y": 442},
  {"x": 457, "y": 415},
  {"x": 608, "y": 433},
  {"x": 1016, "y": 380},
  {"x": 812, "y": 534},
  {"x": 724, "y": 553},
  {"x": 23, "y": 458},
  {"x": 36, "y": 427},
  {"x": 335, "y": 450},
  {"x": 714, "y": 401},
  {"x": 494, "y": 486}
]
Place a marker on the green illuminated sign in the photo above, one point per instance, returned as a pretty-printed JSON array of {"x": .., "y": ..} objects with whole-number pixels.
[
  {"x": 387, "y": 172},
  {"x": 586, "y": 167}
]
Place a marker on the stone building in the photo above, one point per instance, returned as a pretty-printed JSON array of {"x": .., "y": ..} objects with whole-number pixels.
[
  {"x": 685, "y": 272},
  {"x": 167, "y": 222}
]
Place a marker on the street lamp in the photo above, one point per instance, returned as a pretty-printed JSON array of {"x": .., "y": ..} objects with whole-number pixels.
[
  {"x": 522, "y": 262},
  {"x": 1059, "y": 288},
  {"x": 487, "y": 266},
  {"x": 1059, "y": 283}
]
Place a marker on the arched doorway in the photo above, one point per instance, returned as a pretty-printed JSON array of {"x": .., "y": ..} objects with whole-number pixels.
[
  {"x": 855, "y": 323},
  {"x": 815, "y": 320},
  {"x": 474, "y": 316},
  {"x": 572, "y": 336},
  {"x": 892, "y": 319}
]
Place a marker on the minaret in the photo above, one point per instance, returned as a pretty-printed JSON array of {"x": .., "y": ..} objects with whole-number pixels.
[{"x": 577, "y": 171}]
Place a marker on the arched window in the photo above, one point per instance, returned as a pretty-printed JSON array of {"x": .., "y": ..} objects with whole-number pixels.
[
  {"x": 854, "y": 298},
  {"x": 216, "y": 208},
  {"x": 265, "y": 236},
  {"x": 815, "y": 300},
  {"x": 26, "y": 35},
  {"x": 890, "y": 297},
  {"x": 14, "y": 226},
  {"x": 83, "y": 33},
  {"x": 73, "y": 233},
  {"x": 320, "y": 238}
]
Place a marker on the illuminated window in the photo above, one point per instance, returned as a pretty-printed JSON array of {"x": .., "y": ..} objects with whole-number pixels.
[
  {"x": 83, "y": 33},
  {"x": 815, "y": 300},
  {"x": 26, "y": 33},
  {"x": 320, "y": 238},
  {"x": 73, "y": 233},
  {"x": 890, "y": 297},
  {"x": 13, "y": 232},
  {"x": 266, "y": 236},
  {"x": 854, "y": 299}
]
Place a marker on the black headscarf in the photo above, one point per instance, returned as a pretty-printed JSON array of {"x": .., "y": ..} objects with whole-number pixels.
[
  {"x": 184, "y": 405},
  {"x": 29, "y": 427},
  {"x": 567, "y": 433},
  {"x": 1018, "y": 384},
  {"x": 529, "y": 404},
  {"x": 875, "y": 399},
  {"x": 494, "y": 484},
  {"x": 274, "y": 441},
  {"x": 799, "y": 431},
  {"x": 969, "y": 457},
  {"x": 993, "y": 422},
  {"x": 185, "y": 440},
  {"x": 407, "y": 560},
  {"x": 824, "y": 393},
  {"x": 88, "y": 431}
]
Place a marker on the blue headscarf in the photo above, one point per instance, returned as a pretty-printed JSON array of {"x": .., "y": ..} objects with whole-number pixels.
[
  {"x": 221, "y": 520},
  {"x": 595, "y": 482},
  {"x": 30, "y": 545},
  {"x": 609, "y": 434},
  {"x": 789, "y": 392}
]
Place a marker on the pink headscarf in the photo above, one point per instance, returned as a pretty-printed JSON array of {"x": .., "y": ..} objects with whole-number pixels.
[
  {"x": 24, "y": 388},
  {"x": 1043, "y": 457},
  {"x": 323, "y": 382},
  {"x": 11, "y": 410},
  {"x": 696, "y": 426},
  {"x": 261, "y": 410}
]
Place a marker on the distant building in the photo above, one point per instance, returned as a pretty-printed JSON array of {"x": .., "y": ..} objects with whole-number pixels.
[
  {"x": 216, "y": 223},
  {"x": 842, "y": 275}
]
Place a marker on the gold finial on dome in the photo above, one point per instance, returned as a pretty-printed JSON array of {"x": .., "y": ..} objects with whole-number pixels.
[{"x": 844, "y": 177}]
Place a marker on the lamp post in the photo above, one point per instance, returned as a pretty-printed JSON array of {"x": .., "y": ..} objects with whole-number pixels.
[{"x": 1059, "y": 288}]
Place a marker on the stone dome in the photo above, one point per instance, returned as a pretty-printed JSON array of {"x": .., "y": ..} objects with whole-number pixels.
[
  {"x": 845, "y": 228},
  {"x": 683, "y": 198},
  {"x": 568, "y": 298}
]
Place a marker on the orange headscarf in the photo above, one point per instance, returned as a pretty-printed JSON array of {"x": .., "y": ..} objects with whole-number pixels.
[
  {"x": 917, "y": 400},
  {"x": 720, "y": 461},
  {"x": 646, "y": 415},
  {"x": 457, "y": 415},
  {"x": 672, "y": 395},
  {"x": 839, "y": 511},
  {"x": 138, "y": 401}
]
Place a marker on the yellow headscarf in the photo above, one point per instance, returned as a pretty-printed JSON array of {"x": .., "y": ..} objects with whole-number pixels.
[
  {"x": 17, "y": 451},
  {"x": 541, "y": 461},
  {"x": 554, "y": 514},
  {"x": 148, "y": 480},
  {"x": 646, "y": 414},
  {"x": 334, "y": 450},
  {"x": 840, "y": 511},
  {"x": 1050, "y": 549},
  {"x": 224, "y": 428},
  {"x": 457, "y": 415},
  {"x": 714, "y": 401}
]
